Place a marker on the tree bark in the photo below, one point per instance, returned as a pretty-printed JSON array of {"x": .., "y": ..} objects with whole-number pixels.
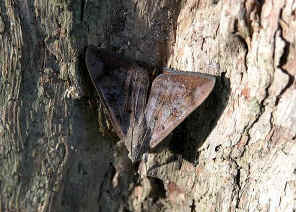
[{"x": 236, "y": 152}]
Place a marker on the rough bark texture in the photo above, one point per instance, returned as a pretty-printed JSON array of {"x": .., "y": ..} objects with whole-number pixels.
[{"x": 235, "y": 153}]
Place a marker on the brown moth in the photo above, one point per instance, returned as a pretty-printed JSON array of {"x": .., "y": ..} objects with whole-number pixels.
[{"x": 144, "y": 110}]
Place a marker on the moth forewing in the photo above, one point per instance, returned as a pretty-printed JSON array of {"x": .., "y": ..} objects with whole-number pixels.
[
  {"x": 110, "y": 76},
  {"x": 186, "y": 91},
  {"x": 137, "y": 92}
]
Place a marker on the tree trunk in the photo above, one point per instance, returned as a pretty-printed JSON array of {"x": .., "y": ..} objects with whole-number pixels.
[{"x": 236, "y": 152}]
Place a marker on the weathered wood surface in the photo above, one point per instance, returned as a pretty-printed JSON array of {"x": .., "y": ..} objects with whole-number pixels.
[{"x": 235, "y": 153}]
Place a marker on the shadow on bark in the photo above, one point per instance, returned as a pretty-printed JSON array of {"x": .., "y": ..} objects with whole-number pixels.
[{"x": 191, "y": 134}]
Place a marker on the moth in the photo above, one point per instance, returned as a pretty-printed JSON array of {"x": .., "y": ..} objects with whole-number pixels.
[{"x": 142, "y": 108}]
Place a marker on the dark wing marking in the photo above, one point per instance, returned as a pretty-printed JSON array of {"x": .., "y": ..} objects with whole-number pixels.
[{"x": 122, "y": 86}]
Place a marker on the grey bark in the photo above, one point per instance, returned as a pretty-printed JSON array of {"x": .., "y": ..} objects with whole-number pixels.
[{"x": 235, "y": 153}]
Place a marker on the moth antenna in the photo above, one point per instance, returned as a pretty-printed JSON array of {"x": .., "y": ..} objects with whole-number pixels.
[
  {"x": 139, "y": 149},
  {"x": 131, "y": 147},
  {"x": 143, "y": 140},
  {"x": 133, "y": 121},
  {"x": 127, "y": 84},
  {"x": 136, "y": 154},
  {"x": 134, "y": 117},
  {"x": 137, "y": 97}
]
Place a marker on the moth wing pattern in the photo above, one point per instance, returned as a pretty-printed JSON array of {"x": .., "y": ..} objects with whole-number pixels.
[
  {"x": 173, "y": 96},
  {"x": 122, "y": 85}
]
